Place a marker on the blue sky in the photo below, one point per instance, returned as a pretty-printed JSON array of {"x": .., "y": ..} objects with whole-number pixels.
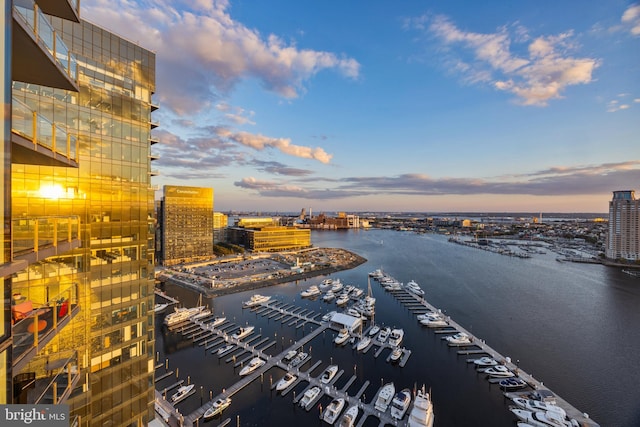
[{"x": 423, "y": 106}]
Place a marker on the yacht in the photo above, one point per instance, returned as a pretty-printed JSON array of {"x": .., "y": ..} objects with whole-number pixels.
[
  {"x": 499, "y": 371},
  {"x": 328, "y": 374},
  {"x": 536, "y": 405},
  {"x": 181, "y": 315},
  {"x": 217, "y": 408},
  {"x": 342, "y": 337},
  {"x": 395, "y": 339},
  {"x": 286, "y": 381},
  {"x": 540, "y": 418},
  {"x": 385, "y": 394},
  {"x": 422, "y": 412},
  {"x": 363, "y": 343},
  {"x": 182, "y": 393},
  {"x": 333, "y": 410},
  {"x": 243, "y": 332},
  {"x": 377, "y": 274},
  {"x": 412, "y": 286},
  {"x": 383, "y": 335},
  {"x": 327, "y": 317},
  {"x": 200, "y": 315},
  {"x": 374, "y": 330},
  {"x": 342, "y": 299},
  {"x": 513, "y": 383},
  {"x": 311, "y": 291},
  {"x": 353, "y": 312},
  {"x": 337, "y": 285},
  {"x": 226, "y": 349},
  {"x": 160, "y": 308},
  {"x": 427, "y": 315},
  {"x": 396, "y": 354},
  {"x": 400, "y": 404},
  {"x": 356, "y": 293},
  {"x": 290, "y": 355},
  {"x": 254, "y": 364},
  {"x": 217, "y": 321},
  {"x": 255, "y": 300},
  {"x": 329, "y": 296},
  {"x": 309, "y": 396},
  {"x": 349, "y": 417},
  {"x": 485, "y": 362},
  {"x": 326, "y": 283},
  {"x": 300, "y": 358},
  {"x": 434, "y": 322},
  {"x": 459, "y": 338}
]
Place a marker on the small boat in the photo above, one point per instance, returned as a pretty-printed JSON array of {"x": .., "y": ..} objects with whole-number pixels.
[
  {"x": 349, "y": 417},
  {"x": 374, "y": 330},
  {"x": 255, "y": 300},
  {"x": 337, "y": 286},
  {"x": 540, "y": 418},
  {"x": 383, "y": 335},
  {"x": 422, "y": 412},
  {"x": 434, "y": 322},
  {"x": 182, "y": 393},
  {"x": 353, "y": 312},
  {"x": 513, "y": 383},
  {"x": 300, "y": 358},
  {"x": 217, "y": 408},
  {"x": 499, "y": 371},
  {"x": 385, "y": 395},
  {"x": 309, "y": 396},
  {"x": 290, "y": 355},
  {"x": 342, "y": 337},
  {"x": 243, "y": 332},
  {"x": 485, "y": 362},
  {"x": 356, "y": 293},
  {"x": 426, "y": 315},
  {"x": 536, "y": 405},
  {"x": 311, "y": 291},
  {"x": 254, "y": 364},
  {"x": 377, "y": 274},
  {"x": 396, "y": 354},
  {"x": 395, "y": 339},
  {"x": 333, "y": 410},
  {"x": 400, "y": 403},
  {"x": 363, "y": 343},
  {"x": 226, "y": 349},
  {"x": 217, "y": 321},
  {"x": 327, "y": 317},
  {"x": 326, "y": 283},
  {"x": 286, "y": 381},
  {"x": 328, "y": 374},
  {"x": 329, "y": 296},
  {"x": 412, "y": 286},
  {"x": 459, "y": 338},
  {"x": 160, "y": 308},
  {"x": 342, "y": 299}
]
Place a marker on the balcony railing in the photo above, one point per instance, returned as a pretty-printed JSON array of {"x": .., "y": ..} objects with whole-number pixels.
[
  {"x": 31, "y": 235},
  {"x": 47, "y": 36},
  {"x": 41, "y": 131},
  {"x": 50, "y": 382}
]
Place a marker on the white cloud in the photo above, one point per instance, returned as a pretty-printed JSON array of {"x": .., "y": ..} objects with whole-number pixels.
[
  {"x": 631, "y": 19},
  {"x": 540, "y": 76}
]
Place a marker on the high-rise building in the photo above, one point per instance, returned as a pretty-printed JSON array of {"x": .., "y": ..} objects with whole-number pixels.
[
  {"x": 186, "y": 224},
  {"x": 79, "y": 208},
  {"x": 623, "y": 239},
  {"x": 220, "y": 224}
]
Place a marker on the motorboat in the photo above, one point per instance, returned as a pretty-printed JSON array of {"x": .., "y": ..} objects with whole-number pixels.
[
  {"x": 327, "y": 317},
  {"x": 356, "y": 293},
  {"x": 290, "y": 355},
  {"x": 332, "y": 412},
  {"x": 160, "y": 308},
  {"x": 377, "y": 274},
  {"x": 326, "y": 283},
  {"x": 396, "y": 354},
  {"x": 311, "y": 291},
  {"x": 383, "y": 335},
  {"x": 328, "y": 374},
  {"x": 385, "y": 395},
  {"x": 253, "y": 364},
  {"x": 200, "y": 315},
  {"x": 182, "y": 393},
  {"x": 500, "y": 371},
  {"x": 400, "y": 404},
  {"x": 217, "y": 408},
  {"x": 540, "y": 418},
  {"x": 485, "y": 362},
  {"x": 374, "y": 330},
  {"x": 459, "y": 338},
  {"x": 396, "y": 336},
  {"x": 286, "y": 381},
  {"x": 427, "y": 315},
  {"x": 363, "y": 343},
  {"x": 309, "y": 396},
  {"x": 434, "y": 322},
  {"x": 182, "y": 315},
  {"x": 329, "y": 296},
  {"x": 421, "y": 414},
  {"x": 349, "y": 417},
  {"x": 300, "y": 358},
  {"x": 224, "y": 350},
  {"x": 337, "y": 285},
  {"x": 255, "y": 300},
  {"x": 536, "y": 405},
  {"x": 353, "y": 312},
  {"x": 513, "y": 383},
  {"x": 243, "y": 332},
  {"x": 342, "y": 299},
  {"x": 342, "y": 337},
  {"x": 217, "y": 321},
  {"x": 412, "y": 286}
]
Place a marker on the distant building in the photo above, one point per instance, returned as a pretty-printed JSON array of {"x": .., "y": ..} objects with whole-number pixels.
[
  {"x": 220, "y": 224},
  {"x": 623, "y": 240},
  {"x": 324, "y": 222},
  {"x": 186, "y": 223},
  {"x": 265, "y": 235}
]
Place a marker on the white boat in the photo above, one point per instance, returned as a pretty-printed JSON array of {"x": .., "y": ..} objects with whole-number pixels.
[
  {"x": 385, "y": 395},
  {"x": 226, "y": 349},
  {"x": 290, "y": 355},
  {"x": 342, "y": 299},
  {"x": 311, "y": 291},
  {"x": 400, "y": 404},
  {"x": 203, "y": 313},
  {"x": 329, "y": 296},
  {"x": 328, "y": 374},
  {"x": 377, "y": 274},
  {"x": 332, "y": 412},
  {"x": 286, "y": 381},
  {"x": 427, "y": 315},
  {"x": 255, "y": 300},
  {"x": 412, "y": 286},
  {"x": 349, "y": 417},
  {"x": 327, "y": 317},
  {"x": 395, "y": 339},
  {"x": 374, "y": 330},
  {"x": 182, "y": 315},
  {"x": 383, "y": 335},
  {"x": 356, "y": 293},
  {"x": 243, "y": 332},
  {"x": 459, "y": 338},
  {"x": 422, "y": 411},
  {"x": 363, "y": 343},
  {"x": 182, "y": 393},
  {"x": 500, "y": 371},
  {"x": 541, "y": 418},
  {"x": 353, "y": 312},
  {"x": 160, "y": 308},
  {"x": 485, "y": 362},
  {"x": 396, "y": 354},
  {"x": 434, "y": 322},
  {"x": 300, "y": 358},
  {"x": 309, "y": 396},
  {"x": 217, "y": 408},
  {"x": 337, "y": 285},
  {"x": 254, "y": 364},
  {"x": 217, "y": 321},
  {"x": 513, "y": 383},
  {"x": 342, "y": 337},
  {"x": 536, "y": 405}
]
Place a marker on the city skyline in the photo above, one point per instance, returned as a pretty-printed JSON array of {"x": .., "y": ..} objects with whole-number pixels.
[{"x": 410, "y": 106}]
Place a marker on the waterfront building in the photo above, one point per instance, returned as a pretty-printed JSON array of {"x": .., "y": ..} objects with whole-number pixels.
[
  {"x": 220, "y": 224},
  {"x": 186, "y": 222},
  {"x": 324, "y": 222},
  {"x": 78, "y": 215},
  {"x": 623, "y": 239},
  {"x": 264, "y": 235}
]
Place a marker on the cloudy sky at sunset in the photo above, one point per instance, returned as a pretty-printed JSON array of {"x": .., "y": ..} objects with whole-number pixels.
[{"x": 393, "y": 105}]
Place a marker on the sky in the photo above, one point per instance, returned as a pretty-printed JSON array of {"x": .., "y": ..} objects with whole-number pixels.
[{"x": 421, "y": 106}]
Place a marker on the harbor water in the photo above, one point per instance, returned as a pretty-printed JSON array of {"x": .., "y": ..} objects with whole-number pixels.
[{"x": 575, "y": 327}]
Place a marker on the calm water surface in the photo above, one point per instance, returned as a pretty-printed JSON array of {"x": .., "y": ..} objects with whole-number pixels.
[{"x": 576, "y": 327}]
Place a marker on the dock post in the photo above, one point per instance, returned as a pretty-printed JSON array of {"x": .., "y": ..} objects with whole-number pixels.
[{"x": 177, "y": 371}]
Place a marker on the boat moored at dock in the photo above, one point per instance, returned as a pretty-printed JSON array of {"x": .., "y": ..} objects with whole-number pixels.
[
  {"x": 255, "y": 300},
  {"x": 400, "y": 403},
  {"x": 217, "y": 408},
  {"x": 349, "y": 417},
  {"x": 333, "y": 410},
  {"x": 182, "y": 393},
  {"x": 243, "y": 332},
  {"x": 254, "y": 364},
  {"x": 421, "y": 414},
  {"x": 385, "y": 395},
  {"x": 286, "y": 381}
]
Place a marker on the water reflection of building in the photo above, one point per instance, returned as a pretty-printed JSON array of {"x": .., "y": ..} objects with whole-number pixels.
[
  {"x": 623, "y": 239},
  {"x": 266, "y": 235},
  {"x": 77, "y": 148}
]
